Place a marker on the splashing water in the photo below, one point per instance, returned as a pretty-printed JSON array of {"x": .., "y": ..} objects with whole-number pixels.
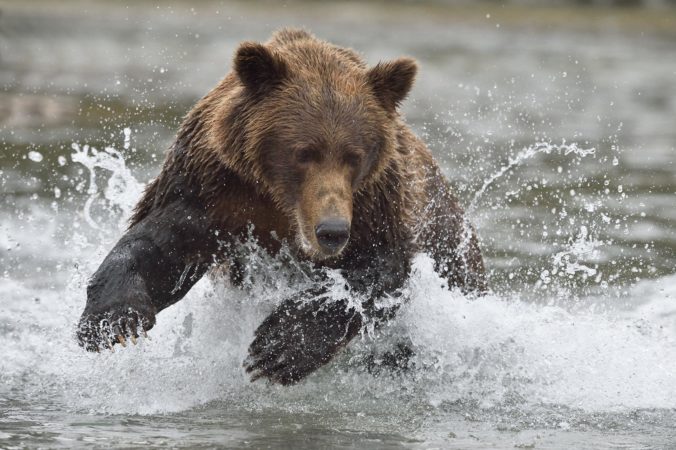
[
  {"x": 496, "y": 358},
  {"x": 513, "y": 162},
  {"x": 122, "y": 189},
  {"x": 582, "y": 247},
  {"x": 524, "y": 155}
]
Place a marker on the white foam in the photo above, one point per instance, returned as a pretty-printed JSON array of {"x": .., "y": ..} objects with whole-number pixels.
[{"x": 492, "y": 348}]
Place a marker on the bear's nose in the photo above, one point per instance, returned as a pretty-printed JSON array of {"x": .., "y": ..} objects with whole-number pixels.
[{"x": 332, "y": 234}]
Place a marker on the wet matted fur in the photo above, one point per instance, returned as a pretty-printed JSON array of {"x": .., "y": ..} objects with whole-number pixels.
[{"x": 299, "y": 132}]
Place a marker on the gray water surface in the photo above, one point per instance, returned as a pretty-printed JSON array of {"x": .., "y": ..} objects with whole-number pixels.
[{"x": 555, "y": 126}]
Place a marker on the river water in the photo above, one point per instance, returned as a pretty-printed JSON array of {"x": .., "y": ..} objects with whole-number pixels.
[{"x": 557, "y": 129}]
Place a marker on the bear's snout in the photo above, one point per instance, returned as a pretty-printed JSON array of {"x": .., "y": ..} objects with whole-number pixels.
[{"x": 332, "y": 234}]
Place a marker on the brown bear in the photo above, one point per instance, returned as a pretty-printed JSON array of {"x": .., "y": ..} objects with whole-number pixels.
[{"x": 301, "y": 143}]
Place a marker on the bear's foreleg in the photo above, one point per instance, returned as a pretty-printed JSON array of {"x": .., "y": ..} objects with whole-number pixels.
[
  {"x": 453, "y": 245},
  {"x": 301, "y": 335},
  {"x": 153, "y": 266},
  {"x": 308, "y": 330},
  {"x": 446, "y": 235}
]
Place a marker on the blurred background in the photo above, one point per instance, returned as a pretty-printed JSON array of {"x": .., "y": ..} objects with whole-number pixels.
[{"x": 555, "y": 122}]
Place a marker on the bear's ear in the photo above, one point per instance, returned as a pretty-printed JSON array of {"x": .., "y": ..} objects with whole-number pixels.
[
  {"x": 391, "y": 81},
  {"x": 258, "y": 67}
]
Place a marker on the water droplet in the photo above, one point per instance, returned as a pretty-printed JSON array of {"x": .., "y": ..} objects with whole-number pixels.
[
  {"x": 35, "y": 156},
  {"x": 127, "y": 137}
]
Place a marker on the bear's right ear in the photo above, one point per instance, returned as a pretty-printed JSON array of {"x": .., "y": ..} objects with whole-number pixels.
[
  {"x": 258, "y": 67},
  {"x": 391, "y": 81}
]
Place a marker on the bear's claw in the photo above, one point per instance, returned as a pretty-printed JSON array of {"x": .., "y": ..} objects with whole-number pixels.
[{"x": 97, "y": 332}]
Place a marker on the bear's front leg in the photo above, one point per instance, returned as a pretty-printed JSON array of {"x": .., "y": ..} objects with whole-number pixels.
[
  {"x": 307, "y": 331},
  {"x": 153, "y": 266},
  {"x": 118, "y": 298},
  {"x": 301, "y": 335}
]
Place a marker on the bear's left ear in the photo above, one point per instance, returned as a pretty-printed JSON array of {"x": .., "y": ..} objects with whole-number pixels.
[
  {"x": 391, "y": 81},
  {"x": 258, "y": 67}
]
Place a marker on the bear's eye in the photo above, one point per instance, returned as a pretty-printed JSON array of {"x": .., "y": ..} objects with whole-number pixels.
[
  {"x": 352, "y": 159},
  {"x": 307, "y": 155}
]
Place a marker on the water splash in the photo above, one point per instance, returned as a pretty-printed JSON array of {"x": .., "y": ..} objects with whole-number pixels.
[
  {"x": 122, "y": 190},
  {"x": 492, "y": 352},
  {"x": 514, "y": 162},
  {"x": 523, "y": 155},
  {"x": 582, "y": 247},
  {"x": 498, "y": 350}
]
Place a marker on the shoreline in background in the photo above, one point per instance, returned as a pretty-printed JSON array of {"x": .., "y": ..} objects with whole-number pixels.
[{"x": 584, "y": 18}]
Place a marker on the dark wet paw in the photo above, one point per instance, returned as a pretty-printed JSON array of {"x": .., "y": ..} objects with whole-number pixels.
[
  {"x": 101, "y": 331},
  {"x": 299, "y": 337}
]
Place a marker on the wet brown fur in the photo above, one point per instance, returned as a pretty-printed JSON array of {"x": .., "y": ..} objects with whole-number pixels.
[
  {"x": 299, "y": 132},
  {"x": 223, "y": 150}
]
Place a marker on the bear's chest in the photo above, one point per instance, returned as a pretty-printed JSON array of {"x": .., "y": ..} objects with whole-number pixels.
[{"x": 244, "y": 215}]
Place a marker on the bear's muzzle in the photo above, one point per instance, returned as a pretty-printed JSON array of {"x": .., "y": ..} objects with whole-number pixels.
[{"x": 332, "y": 234}]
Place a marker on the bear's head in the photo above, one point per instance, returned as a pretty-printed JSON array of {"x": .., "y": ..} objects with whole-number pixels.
[{"x": 319, "y": 126}]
